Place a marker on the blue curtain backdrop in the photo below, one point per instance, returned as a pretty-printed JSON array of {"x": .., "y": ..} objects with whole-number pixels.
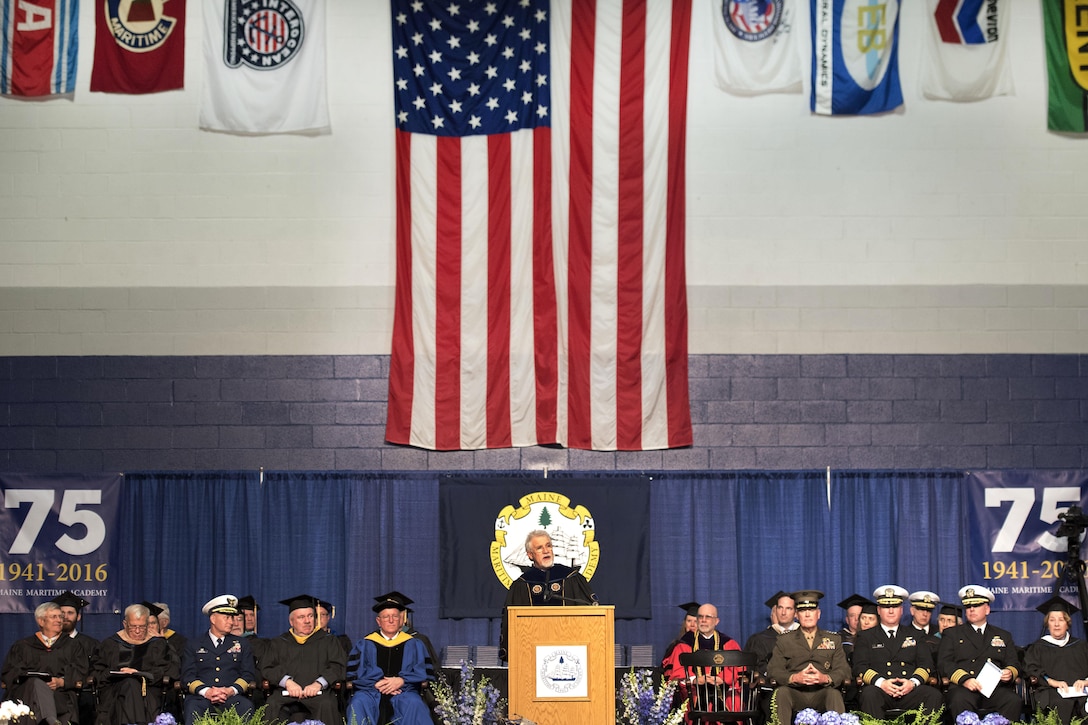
[{"x": 732, "y": 539}]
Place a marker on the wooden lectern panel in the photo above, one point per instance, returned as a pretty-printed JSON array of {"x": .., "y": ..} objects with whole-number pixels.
[{"x": 536, "y": 635}]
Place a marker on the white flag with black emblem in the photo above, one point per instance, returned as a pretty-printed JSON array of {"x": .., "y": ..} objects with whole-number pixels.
[{"x": 264, "y": 66}]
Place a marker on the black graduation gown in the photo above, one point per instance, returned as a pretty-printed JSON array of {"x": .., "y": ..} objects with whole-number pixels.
[
  {"x": 1068, "y": 664},
  {"x": 132, "y": 698},
  {"x": 30, "y": 654},
  {"x": 556, "y": 586},
  {"x": 319, "y": 656}
]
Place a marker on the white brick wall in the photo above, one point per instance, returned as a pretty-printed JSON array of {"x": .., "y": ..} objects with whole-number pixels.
[{"x": 941, "y": 228}]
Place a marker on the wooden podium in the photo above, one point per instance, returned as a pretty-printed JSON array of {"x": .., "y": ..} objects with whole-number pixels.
[{"x": 562, "y": 664}]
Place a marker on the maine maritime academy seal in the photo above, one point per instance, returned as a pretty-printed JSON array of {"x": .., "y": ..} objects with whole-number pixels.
[
  {"x": 562, "y": 671},
  {"x": 571, "y": 528}
]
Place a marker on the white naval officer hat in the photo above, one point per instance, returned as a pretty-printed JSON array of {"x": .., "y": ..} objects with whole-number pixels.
[
  {"x": 223, "y": 604},
  {"x": 924, "y": 600},
  {"x": 975, "y": 594},
  {"x": 889, "y": 595}
]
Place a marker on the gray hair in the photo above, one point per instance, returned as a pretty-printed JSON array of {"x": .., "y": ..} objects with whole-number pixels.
[
  {"x": 137, "y": 611},
  {"x": 535, "y": 534},
  {"x": 44, "y": 608},
  {"x": 165, "y": 613}
]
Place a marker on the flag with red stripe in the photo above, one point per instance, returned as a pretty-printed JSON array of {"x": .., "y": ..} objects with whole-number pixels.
[
  {"x": 39, "y": 43},
  {"x": 540, "y": 225},
  {"x": 967, "y": 57}
]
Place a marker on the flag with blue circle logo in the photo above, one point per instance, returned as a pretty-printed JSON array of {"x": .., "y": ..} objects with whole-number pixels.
[{"x": 855, "y": 56}]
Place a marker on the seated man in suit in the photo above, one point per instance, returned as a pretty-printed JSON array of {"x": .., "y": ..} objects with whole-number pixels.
[
  {"x": 808, "y": 664},
  {"x": 130, "y": 668},
  {"x": 40, "y": 670},
  {"x": 893, "y": 661},
  {"x": 302, "y": 665},
  {"x": 217, "y": 669},
  {"x": 967, "y": 648}
]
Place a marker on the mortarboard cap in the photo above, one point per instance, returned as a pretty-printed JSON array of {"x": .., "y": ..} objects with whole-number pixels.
[
  {"x": 67, "y": 599},
  {"x": 1057, "y": 604},
  {"x": 691, "y": 609},
  {"x": 248, "y": 603},
  {"x": 152, "y": 609},
  {"x": 854, "y": 600},
  {"x": 301, "y": 601},
  {"x": 807, "y": 599},
  {"x": 395, "y": 596},
  {"x": 868, "y": 607},
  {"x": 951, "y": 609},
  {"x": 389, "y": 603},
  {"x": 773, "y": 601}
]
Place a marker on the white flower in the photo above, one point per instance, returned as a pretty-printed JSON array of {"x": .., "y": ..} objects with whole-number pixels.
[{"x": 13, "y": 710}]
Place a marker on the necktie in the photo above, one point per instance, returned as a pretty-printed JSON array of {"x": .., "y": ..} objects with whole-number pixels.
[
  {"x": 218, "y": 641},
  {"x": 978, "y": 629},
  {"x": 891, "y": 634}
]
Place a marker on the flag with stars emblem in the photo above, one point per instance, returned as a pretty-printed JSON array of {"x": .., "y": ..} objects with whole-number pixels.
[
  {"x": 264, "y": 66},
  {"x": 540, "y": 224}
]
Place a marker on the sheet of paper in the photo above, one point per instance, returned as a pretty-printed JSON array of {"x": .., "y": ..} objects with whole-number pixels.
[
  {"x": 1071, "y": 692},
  {"x": 989, "y": 678}
]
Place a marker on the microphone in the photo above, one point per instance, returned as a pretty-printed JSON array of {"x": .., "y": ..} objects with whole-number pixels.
[{"x": 572, "y": 600}]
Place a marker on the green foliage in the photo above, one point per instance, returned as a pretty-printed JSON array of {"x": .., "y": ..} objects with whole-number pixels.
[
  {"x": 231, "y": 717},
  {"x": 1050, "y": 717},
  {"x": 545, "y": 517},
  {"x": 921, "y": 716}
]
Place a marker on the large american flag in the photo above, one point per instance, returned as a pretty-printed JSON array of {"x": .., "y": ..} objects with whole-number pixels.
[{"x": 540, "y": 290}]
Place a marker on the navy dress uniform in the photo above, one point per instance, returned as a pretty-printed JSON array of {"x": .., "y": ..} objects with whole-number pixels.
[
  {"x": 964, "y": 651},
  {"x": 925, "y": 601},
  {"x": 891, "y": 655},
  {"x": 217, "y": 668}
]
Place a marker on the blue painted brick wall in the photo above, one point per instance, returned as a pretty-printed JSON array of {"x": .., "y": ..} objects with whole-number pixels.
[{"x": 749, "y": 411}]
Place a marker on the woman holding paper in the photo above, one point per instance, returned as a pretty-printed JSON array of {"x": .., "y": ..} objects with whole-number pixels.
[{"x": 1059, "y": 662}]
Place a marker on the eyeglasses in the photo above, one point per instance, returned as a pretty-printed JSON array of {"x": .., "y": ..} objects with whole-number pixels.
[{"x": 135, "y": 626}]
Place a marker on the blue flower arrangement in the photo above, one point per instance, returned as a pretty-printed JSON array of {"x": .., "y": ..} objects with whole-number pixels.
[
  {"x": 970, "y": 718},
  {"x": 474, "y": 702},
  {"x": 809, "y": 716},
  {"x": 642, "y": 704}
]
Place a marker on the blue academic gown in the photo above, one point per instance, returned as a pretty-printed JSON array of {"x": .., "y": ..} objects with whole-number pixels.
[{"x": 364, "y": 671}]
